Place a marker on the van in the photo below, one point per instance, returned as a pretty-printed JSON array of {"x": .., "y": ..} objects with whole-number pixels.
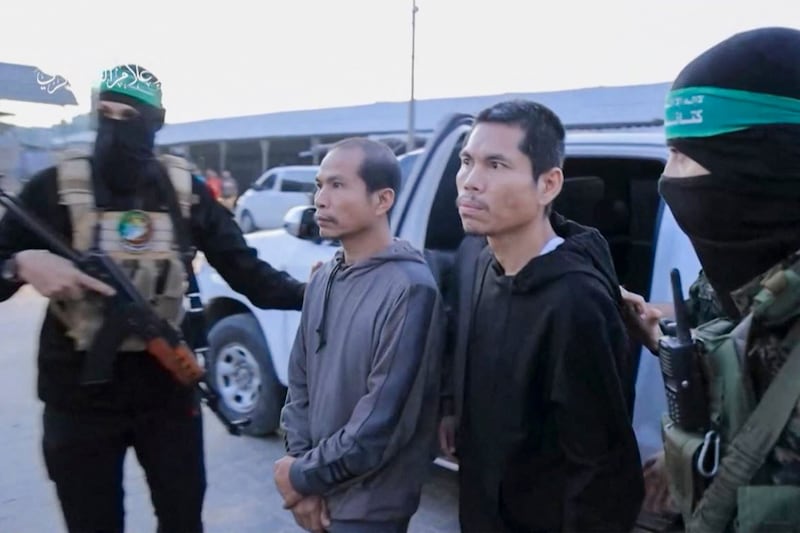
[{"x": 265, "y": 203}]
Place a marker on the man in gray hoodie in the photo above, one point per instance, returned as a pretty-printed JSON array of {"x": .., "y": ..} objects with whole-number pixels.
[{"x": 362, "y": 407}]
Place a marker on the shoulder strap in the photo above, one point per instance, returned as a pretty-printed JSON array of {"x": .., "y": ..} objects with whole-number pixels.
[
  {"x": 180, "y": 175},
  {"x": 194, "y": 326},
  {"x": 750, "y": 447},
  {"x": 74, "y": 178},
  {"x": 75, "y": 190}
]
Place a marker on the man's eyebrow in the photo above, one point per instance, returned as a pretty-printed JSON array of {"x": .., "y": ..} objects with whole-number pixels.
[
  {"x": 497, "y": 157},
  {"x": 488, "y": 157},
  {"x": 329, "y": 178}
]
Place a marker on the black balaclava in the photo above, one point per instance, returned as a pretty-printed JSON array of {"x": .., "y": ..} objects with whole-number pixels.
[
  {"x": 123, "y": 151},
  {"x": 742, "y": 217}
]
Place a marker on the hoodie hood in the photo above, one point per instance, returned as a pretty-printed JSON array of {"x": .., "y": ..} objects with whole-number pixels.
[
  {"x": 584, "y": 250},
  {"x": 398, "y": 250},
  {"x": 336, "y": 270}
]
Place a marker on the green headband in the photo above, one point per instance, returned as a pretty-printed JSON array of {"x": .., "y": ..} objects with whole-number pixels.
[
  {"x": 133, "y": 81},
  {"x": 709, "y": 111}
]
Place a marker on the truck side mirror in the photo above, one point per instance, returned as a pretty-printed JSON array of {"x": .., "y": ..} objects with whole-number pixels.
[{"x": 299, "y": 221}]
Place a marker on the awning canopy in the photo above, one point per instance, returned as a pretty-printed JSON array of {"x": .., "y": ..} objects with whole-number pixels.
[{"x": 25, "y": 83}]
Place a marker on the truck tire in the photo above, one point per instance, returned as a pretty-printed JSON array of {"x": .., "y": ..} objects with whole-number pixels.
[
  {"x": 240, "y": 369},
  {"x": 247, "y": 223}
]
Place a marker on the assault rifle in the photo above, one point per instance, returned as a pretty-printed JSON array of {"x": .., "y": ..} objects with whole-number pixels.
[{"x": 128, "y": 314}]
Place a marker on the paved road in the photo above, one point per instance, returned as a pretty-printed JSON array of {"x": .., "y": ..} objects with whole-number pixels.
[{"x": 240, "y": 499}]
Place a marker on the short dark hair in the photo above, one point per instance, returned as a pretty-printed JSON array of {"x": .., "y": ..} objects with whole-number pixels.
[
  {"x": 543, "y": 142},
  {"x": 380, "y": 168}
]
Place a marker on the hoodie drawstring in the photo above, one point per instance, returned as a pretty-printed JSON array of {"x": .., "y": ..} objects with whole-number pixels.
[{"x": 323, "y": 339}]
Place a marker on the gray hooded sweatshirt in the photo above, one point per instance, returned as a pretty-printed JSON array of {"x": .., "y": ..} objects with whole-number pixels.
[{"x": 362, "y": 407}]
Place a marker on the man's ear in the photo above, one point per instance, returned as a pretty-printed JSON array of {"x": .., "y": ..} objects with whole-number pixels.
[
  {"x": 549, "y": 185},
  {"x": 385, "y": 200}
]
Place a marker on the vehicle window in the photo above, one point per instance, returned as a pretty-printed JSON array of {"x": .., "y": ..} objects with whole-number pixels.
[
  {"x": 406, "y": 162},
  {"x": 619, "y": 197},
  {"x": 265, "y": 182},
  {"x": 444, "y": 225},
  {"x": 298, "y": 181}
]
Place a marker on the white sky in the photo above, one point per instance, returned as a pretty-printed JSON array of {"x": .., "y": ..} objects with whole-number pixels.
[{"x": 239, "y": 57}]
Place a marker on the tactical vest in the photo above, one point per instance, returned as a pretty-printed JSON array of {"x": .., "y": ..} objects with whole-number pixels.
[
  {"x": 143, "y": 243},
  {"x": 695, "y": 461}
]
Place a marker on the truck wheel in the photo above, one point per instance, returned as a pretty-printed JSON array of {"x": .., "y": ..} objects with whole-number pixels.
[{"x": 240, "y": 369}]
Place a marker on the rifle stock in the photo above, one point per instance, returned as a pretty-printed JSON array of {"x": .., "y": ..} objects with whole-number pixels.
[{"x": 179, "y": 360}]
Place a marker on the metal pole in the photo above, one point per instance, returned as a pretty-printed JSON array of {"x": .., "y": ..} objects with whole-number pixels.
[
  {"x": 411, "y": 142},
  {"x": 264, "y": 143},
  {"x": 223, "y": 156}
]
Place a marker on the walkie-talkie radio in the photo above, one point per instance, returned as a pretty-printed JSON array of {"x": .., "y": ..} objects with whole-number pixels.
[{"x": 680, "y": 366}]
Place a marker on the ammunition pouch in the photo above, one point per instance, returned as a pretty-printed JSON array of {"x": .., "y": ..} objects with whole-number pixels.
[
  {"x": 736, "y": 495},
  {"x": 692, "y": 458},
  {"x": 681, "y": 450},
  {"x": 157, "y": 269}
]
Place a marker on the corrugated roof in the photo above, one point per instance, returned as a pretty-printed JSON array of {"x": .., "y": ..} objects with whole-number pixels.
[
  {"x": 25, "y": 83},
  {"x": 585, "y": 107},
  {"x": 596, "y": 105},
  {"x": 82, "y": 137},
  {"x": 34, "y": 137}
]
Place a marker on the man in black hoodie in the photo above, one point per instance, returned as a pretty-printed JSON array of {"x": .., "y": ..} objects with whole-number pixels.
[{"x": 542, "y": 377}]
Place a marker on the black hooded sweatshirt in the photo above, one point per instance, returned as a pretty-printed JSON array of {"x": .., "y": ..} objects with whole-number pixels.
[{"x": 543, "y": 381}]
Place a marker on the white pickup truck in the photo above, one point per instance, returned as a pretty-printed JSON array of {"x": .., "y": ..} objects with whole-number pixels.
[{"x": 611, "y": 184}]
